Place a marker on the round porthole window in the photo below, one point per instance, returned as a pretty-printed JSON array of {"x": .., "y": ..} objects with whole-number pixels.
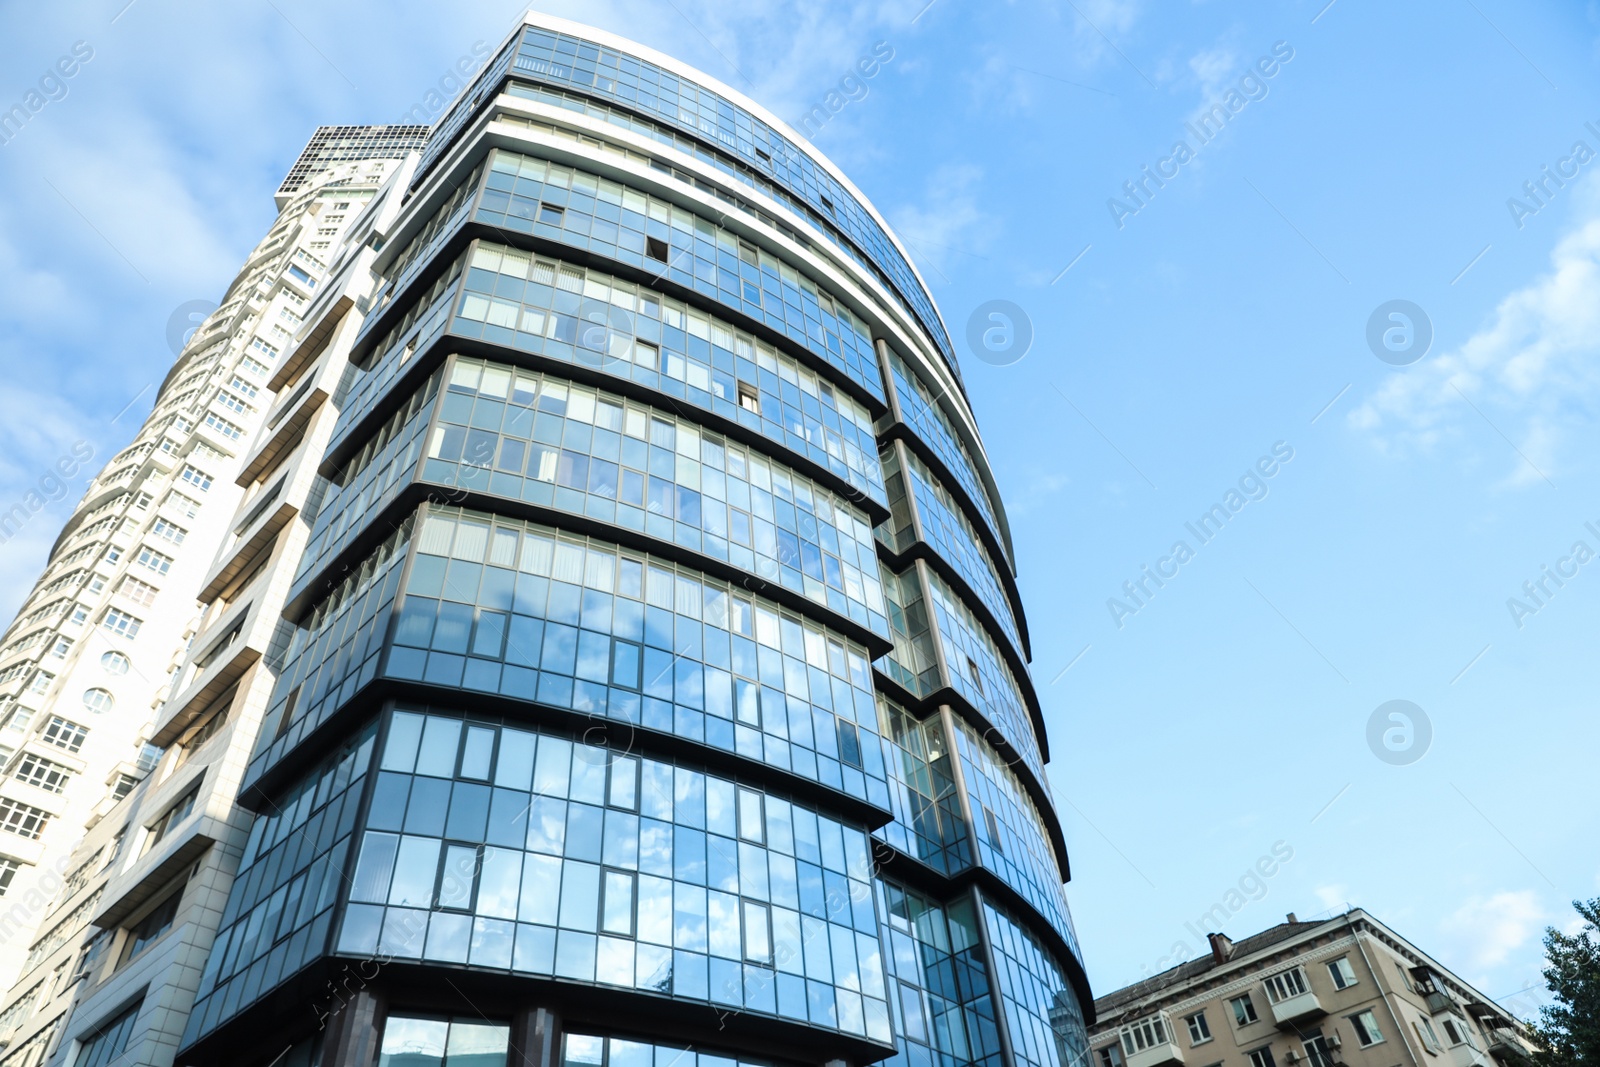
[
  {"x": 98, "y": 701},
  {"x": 115, "y": 663}
]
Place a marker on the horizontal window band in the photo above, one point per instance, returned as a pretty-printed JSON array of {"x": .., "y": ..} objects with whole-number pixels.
[
  {"x": 470, "y": 230},
  {"x": 350, "y": 440},
  {"x": 257, "y": 792}
]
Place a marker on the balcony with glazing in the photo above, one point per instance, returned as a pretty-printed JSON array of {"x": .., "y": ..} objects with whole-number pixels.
[
  {"x": 1150, "y": 1042},
  {"x": 1292, "y": 998}
]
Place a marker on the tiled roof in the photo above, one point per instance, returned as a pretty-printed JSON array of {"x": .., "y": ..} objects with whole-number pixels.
[{"x": 1186, "y": 972}]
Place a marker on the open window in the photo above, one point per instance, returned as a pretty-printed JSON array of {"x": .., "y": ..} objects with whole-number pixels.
[{"x": 749, "y": 397}]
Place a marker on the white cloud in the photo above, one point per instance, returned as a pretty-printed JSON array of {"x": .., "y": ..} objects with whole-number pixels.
[
  {"x": 947, "y": 225},
  {"x": 1332, "y": 897},
  {"x": 1084, "y": 49},
  {"x": 150, "y": 214},
  {"x": 1038, "y": 487},
  {"x": 37, "y": 432},
  {"x": 1212, "y": 68},
  {"x": 1488, "y": 930},
  {"x": 784, "y": 54},
  {"x": 1095, "y": 25},
  {"x": 1533, "y": 369},
  {"x": 1213, "y": 72}
]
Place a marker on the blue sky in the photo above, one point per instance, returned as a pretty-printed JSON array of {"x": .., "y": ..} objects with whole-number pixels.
[{"x": 1227, "y": 314}]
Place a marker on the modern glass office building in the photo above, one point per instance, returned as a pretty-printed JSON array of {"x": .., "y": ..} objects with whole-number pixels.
[{"x": 658, "y": 685}]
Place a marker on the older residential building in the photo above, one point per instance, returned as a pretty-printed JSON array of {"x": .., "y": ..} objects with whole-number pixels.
[{"x": 1345, "y": 992}]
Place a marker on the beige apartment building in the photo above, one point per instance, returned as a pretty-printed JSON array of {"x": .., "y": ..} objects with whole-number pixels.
[{"x": 1345, "y": 992}]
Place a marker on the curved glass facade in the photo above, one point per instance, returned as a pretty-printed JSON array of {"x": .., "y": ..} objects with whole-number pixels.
[
  {"x": 696, "y": 119},
  {"x": 657, "y": 688}
]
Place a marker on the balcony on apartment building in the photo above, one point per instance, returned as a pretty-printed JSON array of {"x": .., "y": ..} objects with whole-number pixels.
[
  {"x": 1149, "y": 1042},
  {"x": 1293, "y": 1002},
  {"x": 1502, "y": 1042},
  {"x": 1431, "y": 988}
]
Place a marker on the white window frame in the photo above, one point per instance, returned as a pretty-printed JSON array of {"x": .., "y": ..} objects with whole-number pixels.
[
  {"x": 1146, "y": 1033},
  {"x": 168, "y": 531},
  {"x": 232, "y": 431},
  {"x": 185, "y": 505},
  {"x": 1286, "y": 985},
  {"x": 121, "y": 623},
  {"x": 140, "y": 592},
  {"x": 158, "y": 563}
]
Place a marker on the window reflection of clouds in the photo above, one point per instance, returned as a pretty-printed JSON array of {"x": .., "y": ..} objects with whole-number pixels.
[{"x": 673, "y": 881}]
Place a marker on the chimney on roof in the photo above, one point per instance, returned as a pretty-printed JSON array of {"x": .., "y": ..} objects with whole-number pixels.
[
  {"x": 1221, "y": 947},
  {"x": 1291, "y": 917}
]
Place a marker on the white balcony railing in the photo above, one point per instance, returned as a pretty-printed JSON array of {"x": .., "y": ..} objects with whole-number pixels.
[
  {"x": 1149, "y": 1042},
  {"x": 1292, "y": 999}
]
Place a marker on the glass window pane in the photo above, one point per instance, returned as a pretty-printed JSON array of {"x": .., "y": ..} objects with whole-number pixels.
[
  {"x": 372, "y": 870},
  {"x": 413, "y": 1042},
  {"x": 476, "y": 1044},
  {"x": 439, "y": 741},
  {"x": 515, "y": 767},
  {"x": 750, "y": 815},
  {"x": 580, "y": 891},
  {"x": 541, "y": 889},
  {"x": 498, "y": 883},
  {"x": 555, "y": 762},
  {"x": 757, "y": 943},
  {"x": 469, "y": 811},
  {"x": 479, "y": 750},
  {"x": 400, "y": 753},
  {"x": 457, "y": 878},
  {"x": 618, "y": 914},
  {"x": 415, "y": 873},
  {"x": 624, "y": 778},
  {"x": 629, "y": 1054},
  {"x": 583, "y": 1050}
]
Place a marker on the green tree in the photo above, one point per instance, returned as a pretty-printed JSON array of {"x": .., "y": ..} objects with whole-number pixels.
[{"x": 1568, "y": 1031}]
